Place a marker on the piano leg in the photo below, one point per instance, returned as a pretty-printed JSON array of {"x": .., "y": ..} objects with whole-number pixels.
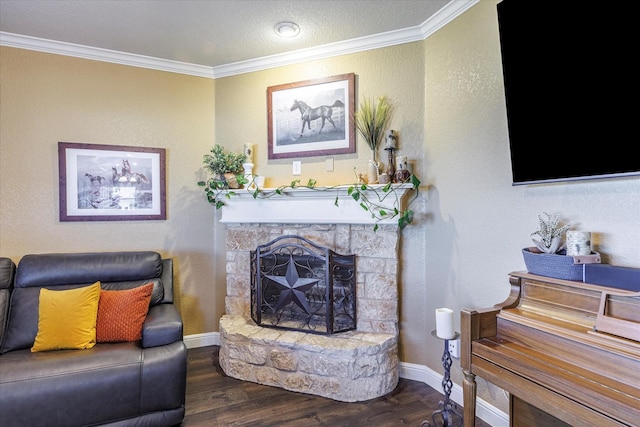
[{"x": 469, "y": 398}]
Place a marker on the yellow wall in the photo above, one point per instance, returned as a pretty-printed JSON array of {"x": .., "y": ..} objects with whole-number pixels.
[
  {"x": 470, "y": 226},
  {"x": 397, "y": 72},
  {"x": 49, "y": 98}
]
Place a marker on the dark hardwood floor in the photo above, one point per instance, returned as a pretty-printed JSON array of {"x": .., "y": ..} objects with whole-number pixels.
[{"x": 216, "y": 400}]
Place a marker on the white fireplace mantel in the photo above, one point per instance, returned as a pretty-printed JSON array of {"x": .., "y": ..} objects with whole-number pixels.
[{"x": 311, "y": 206}]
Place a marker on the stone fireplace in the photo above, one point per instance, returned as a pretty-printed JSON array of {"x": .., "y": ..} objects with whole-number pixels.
[{"x": 353, "y": 365}]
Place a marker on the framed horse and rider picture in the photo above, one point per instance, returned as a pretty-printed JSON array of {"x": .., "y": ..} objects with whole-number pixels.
[
  {"x": 111, "y": 182},
  {"x": 312, "y": 117}
]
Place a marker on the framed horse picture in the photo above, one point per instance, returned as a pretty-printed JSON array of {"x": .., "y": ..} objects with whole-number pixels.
[
  {"x": 312, "y": 117},
  {"x": 111, "y": 182}
]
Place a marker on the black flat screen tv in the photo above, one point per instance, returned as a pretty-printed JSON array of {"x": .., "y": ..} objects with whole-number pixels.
[{"x": 570, "y": 83}]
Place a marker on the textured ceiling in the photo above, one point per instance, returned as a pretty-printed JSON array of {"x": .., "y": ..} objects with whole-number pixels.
[{"x": 209, "y": 33}]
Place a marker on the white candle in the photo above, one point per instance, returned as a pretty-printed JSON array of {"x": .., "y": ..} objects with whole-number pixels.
[
  {"x": 401, "y": 163},
  {"x": 248, "y": 151},
  {"x": 578, "y": 243},
  {"x": 444, "y": 323}
]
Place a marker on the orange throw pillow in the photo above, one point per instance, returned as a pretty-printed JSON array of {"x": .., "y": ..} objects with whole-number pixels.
[{"x": 122, "y": 313}]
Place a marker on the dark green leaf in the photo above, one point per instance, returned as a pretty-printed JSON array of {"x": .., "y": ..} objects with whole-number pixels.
[{"x": 409, "y": 216}]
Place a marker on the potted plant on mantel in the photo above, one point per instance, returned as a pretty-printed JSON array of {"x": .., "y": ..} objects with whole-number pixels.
[
  {"x": 225, "y": 167},
  {"x": 548, "y": 257}
]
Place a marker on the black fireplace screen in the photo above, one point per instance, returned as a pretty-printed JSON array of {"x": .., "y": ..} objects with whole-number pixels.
[{"x": 298, "y": 285}]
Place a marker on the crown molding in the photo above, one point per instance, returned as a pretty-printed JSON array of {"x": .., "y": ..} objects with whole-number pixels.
[
  {"x": 105, "y": 55},
  {"x": 320, "y": 52},
  {"x": 377, "y": 41}
]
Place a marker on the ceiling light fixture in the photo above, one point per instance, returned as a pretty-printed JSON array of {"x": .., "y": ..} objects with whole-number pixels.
[{"x": 287, "y": 29}]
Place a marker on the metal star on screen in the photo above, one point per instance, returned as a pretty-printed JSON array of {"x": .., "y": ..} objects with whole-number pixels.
[{"x": 293, "y": 288}]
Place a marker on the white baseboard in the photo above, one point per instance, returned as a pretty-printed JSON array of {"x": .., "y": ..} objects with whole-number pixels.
[
  {"x": 485, "y": 411},
  {"x": 202, "y": 340}
]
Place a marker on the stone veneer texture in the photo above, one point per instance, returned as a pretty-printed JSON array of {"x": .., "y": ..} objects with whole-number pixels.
[{"x": 347, "y": 366}]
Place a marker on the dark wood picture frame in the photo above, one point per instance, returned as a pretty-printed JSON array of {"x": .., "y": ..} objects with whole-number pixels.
[
  {"x": 111, "y": 182},
  {"x": 312, "y": 117}
]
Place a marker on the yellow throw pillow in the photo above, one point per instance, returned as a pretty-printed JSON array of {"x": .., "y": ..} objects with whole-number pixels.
[{"x": 67, "y": 319}]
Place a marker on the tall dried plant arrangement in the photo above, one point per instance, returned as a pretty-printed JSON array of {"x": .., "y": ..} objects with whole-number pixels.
[{"x": 372, "y": 120}]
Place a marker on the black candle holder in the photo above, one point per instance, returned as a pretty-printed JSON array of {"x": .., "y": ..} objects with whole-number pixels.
[{"x": 446, "y": 409}]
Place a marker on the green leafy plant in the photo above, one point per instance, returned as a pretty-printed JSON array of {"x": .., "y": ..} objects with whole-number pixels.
[
  {"x": 370, "y": 199},
  {"x": 372, "y": 120},
  {"x": 217, "y": 189},
  {"x": 220, "y": 161},
  {"x": 548, "y": 236}
]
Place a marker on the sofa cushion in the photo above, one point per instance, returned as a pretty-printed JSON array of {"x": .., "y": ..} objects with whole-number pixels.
[
  {"x": 71, "y": 387},
  {"x": 7, "y": 273},
  {"x": 61, "y": 269},
  {"x": 22, "y": 324},
  {"x": 67, "y": 319},
  {"x": 122, "y": 313}
]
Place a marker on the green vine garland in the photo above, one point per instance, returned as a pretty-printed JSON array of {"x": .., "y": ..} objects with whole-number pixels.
[{"x": 368, "y": 197}]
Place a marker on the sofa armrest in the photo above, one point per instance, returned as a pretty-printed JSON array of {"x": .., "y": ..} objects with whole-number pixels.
[{"x": 162, "y": 326}]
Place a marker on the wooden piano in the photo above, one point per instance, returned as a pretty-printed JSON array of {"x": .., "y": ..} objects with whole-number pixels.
[{"x": 568, "y": 353}]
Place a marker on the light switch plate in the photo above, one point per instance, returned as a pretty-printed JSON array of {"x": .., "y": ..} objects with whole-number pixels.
[
  {"x": 297, "y": 167},
  {"x": 328, "y": 164}
]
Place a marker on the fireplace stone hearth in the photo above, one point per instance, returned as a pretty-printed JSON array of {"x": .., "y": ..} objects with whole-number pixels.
[{"x": 350, "y": 366}]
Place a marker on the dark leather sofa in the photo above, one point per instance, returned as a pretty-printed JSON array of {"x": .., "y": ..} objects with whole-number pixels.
[{"x": 139, "y": 383}]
